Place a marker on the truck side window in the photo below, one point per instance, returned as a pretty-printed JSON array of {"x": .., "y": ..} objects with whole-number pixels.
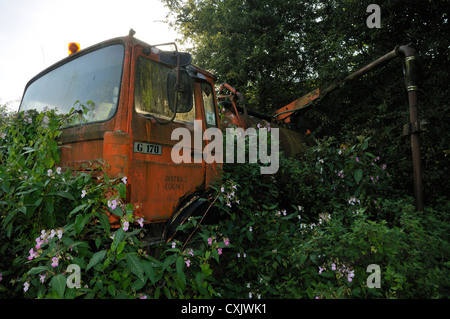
[
  {"x": 208, "y": 104},
  {"x": 150, "y": 92}
]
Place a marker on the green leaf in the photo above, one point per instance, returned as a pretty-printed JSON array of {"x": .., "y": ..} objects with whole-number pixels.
[
  {"x": 365, "y": 145},
  {"x": 120, "y": 247},
  {"x": 215, "y": 254},
  {"x": 58, "y": 284},
  {"x": 77, "y": 209},
  {"x": 118, "y": 237},
  {"x": 28, "y": 191},
  {"x": 37, "y": 270},
  {"x": 96, "y": 258},
  {"x": 167, "y": 292},
  {"x": 303, "y": 258},
  {"x": 358, "y": 175},
  {"x": 148, "y": 269},
  {"x": 112, "y": 290},
  {"x": 98, "y": 242},
  {"x": 65, "y": 195},
  {"x": 49, "y": 162},
  {"x": 104, "y": 222},
  {"x": 80, "y": 222},
  {"x": 138, "y": 284},
  {"x": 122, "y": 190},
  {"x": 135, "y": 265},
  {"x": 199, "y": 279},
  {"x": 180, "y": 268},
  {"x": 169, "y": 261}
]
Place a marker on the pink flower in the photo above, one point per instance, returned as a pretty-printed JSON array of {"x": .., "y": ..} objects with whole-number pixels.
[
  {"x": 83, "y": 193},
  {"x": 219, "y": 250},
  {"x": 226, "y": 241},
  {"x": 33, "y": 254},
  {"x": 39, "y": 242},
  {"x": 357, "y": 159},
  {"x": 125, "y": 225},
  {"x": 210, "y": 241},
  {"x": 140, "y": 222},
  {"x": 124, "y": 180},
  {"x": 350, "y": 275},
  {"x": 42, "y": 278},
  {"x": 55, "y": 262},
  {"x": 188, "y": 263},
  {"x": 112, "y": 204},
  {"x": 26, "y": 286}
]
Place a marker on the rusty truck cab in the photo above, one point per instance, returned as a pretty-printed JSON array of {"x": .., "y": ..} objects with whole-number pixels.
[{"x": 121, "y": 120}]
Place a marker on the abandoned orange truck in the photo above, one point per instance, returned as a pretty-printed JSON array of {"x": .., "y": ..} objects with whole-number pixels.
[{"x": 126, "y": 99}]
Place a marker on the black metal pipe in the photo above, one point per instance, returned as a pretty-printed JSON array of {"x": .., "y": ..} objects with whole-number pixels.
[
  {"x": 369, "y": 67},
  {"x": 411, "y": 83}
]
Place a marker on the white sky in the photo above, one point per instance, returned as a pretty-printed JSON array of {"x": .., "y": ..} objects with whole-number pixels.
[{"x": 34, "y": 34}]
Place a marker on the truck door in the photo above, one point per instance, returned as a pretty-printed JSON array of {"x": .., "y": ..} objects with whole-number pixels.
[{"x": 155, "y": 179}]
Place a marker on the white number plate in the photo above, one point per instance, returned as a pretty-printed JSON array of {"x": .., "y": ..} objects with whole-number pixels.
[{"x": 147, "y": 148}]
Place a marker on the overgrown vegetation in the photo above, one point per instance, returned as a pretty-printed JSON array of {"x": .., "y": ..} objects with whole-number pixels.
[
  {"x": 309, "y": 232},
  {"x": 53, "y": 217},
  {"x": 313, "y": 230}
]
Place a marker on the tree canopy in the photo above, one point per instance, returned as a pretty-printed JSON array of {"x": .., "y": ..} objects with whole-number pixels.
[{"x": 275, "y": 51}]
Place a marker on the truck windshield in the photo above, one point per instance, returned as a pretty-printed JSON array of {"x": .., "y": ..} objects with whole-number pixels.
[{"x": 90, "y": 83}]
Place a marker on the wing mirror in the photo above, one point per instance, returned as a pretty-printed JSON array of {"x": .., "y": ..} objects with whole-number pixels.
[{"x": 179, "y": 93}]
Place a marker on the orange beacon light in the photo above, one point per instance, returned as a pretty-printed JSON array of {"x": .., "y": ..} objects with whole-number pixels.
[{"x": 73, "y": 47}]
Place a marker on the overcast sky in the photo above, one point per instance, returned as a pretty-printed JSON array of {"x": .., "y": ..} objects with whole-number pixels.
[{"x": 34, "y": 34}]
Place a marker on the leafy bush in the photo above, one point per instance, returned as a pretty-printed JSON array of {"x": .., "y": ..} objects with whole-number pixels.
[
  {"x": 313, "y": 230},
  {"x": 56, "y": 240},
  {"x": 310, "y": 231}
]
